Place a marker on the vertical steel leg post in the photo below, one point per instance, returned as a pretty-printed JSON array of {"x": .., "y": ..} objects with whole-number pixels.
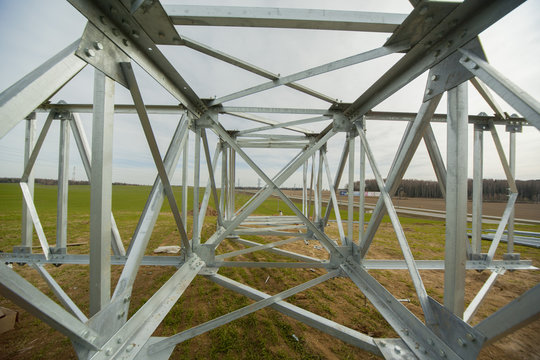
[
  {"x": 27, "y": 224},
  {"x": 196, "y": 178},
  {"x": 477, "y": 191},
  {"x": 304, "y": 189},
  {"x": 101, "y": 192},
  {"x": 350, "y": 203},
  {"x": 63, "y": 183},
  {"x": 512, "y": 164},
  {"x": 232, "y": 181},
  {"x": 224, "y": 183},
  {"x": 185, "y": 160},
  {"x": 456, "y": 201},
  {"x": 362, "y": 186}
]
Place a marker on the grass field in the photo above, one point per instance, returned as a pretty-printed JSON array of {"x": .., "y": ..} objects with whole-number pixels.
[{"x": 265, "y": 334}]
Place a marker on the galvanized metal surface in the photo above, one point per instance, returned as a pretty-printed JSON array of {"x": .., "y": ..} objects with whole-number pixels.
[{"x": 439, "y": 37}]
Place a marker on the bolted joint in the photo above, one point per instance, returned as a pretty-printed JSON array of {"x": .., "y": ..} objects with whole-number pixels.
[
  {"x": 206, "y": 120},
  {"x": 342, "y": 123}
]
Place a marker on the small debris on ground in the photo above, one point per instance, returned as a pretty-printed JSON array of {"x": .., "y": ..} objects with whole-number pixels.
[
  {"x": 295, "y": 337},
  {"x": 268, "y": 278},
  {"x": 317, "y": 247},
  {"x": 170, "y": 249}
]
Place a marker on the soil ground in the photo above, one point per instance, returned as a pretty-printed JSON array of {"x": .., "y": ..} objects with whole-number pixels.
[
  {"x": 523, "y": 210},
  {"x": 267, "y": 334}
]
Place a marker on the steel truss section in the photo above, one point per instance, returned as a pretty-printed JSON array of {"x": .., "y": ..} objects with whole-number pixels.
[{"x": 435, "y": 37}]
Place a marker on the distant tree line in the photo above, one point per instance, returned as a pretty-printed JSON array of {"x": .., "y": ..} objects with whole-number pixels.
[
  {"x": 55, "y": 182},
  {"x": 493, "y": 189}
]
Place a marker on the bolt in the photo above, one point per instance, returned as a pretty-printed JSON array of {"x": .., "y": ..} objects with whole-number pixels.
[
  {"x": 434, "y": 77},
  {"x": 161, "y": 35},
  {"x": 135, "y": 34},
  {"x": 464, "y": 33},
  {"x": 98, "y": 45},
  {"x": 461, "y": 342},
  {"x": 406, "y": 331},
  {"x": 429, "y": 19},
  {"x": 423, "y": 10},
  {"x": 125, "y": 22},
  {"x": 397, "y": 349},
  {"x": 86, "y": 334},
  {"x": 177, "y": 41},
  {"x": 449, "y": 43},
  {"x": 429, "y": 91},
  {"x": 102, "y": 19},
  {"x": 112, "y": 9},
  {"x": 108, "y": 352},
  {"x": 130, "y": 347},
  {"x": 437, "y": 53},
  {"x": 430, "y": 342},
  {"x": 126, "y": 299},
  {"x": 469, "y": 335},
  {"x": 115, "y": 32},
  {"x": 442, "y": 353},
  {"x": 119, "y": 340},
  {"x": 126, "y": 43},
  {"x": 89, "y": 52},
  {"x": 383, "y": 344}
]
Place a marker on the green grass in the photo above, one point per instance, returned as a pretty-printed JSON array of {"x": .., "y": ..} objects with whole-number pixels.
[{"x": 265, "y": 334}]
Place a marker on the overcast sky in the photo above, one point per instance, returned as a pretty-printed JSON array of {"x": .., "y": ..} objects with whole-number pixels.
[{"x": 33, "y": 31}]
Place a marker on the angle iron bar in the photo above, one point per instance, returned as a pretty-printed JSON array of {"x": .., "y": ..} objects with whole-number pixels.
[
  {"x": 500, "y": 228},
  {"x": 334, "y": 65},
  {"x": 274, "y": 186},
  {"x": 511, "y": 93},
  {"x": 152, "y": 144},
  {"x": 195, "y": 237},
  {"x": 211, "y": 184},
  {"x": 284, "y": 125},
  {"x": 131, "y": 337},
  {"x": 400, "y": 234},
  {"x": 220, "y": 235},
  {"x": 84, "y": 152},
  {"x": 273, "y": 110},
  {"x": 256, "y": 248},
  {"x": 330, "y": 327},
  {"x": 418, "y": 337},
  {"x": 335, "y": 204},
  {"x": 369, "y": 264},
  {"x": 150, "y": 213},
  {"x": 290, "y": 18},
  {"x": 21, "y": 98},
  {"x": 281, "y": 252},
  {"x": 350, "y": 205},
  {"x": 185, "y": 160},
  {"x": 481, "y": 295},
  {"x": 477, "y": 190},
  {"x": 60, "y": 293},
  {"x": 63, "y": 178},
  {"x": 153, "y": 62},
  {"x": 396, "y": 172},
  {"x": 26, "y": 218},
  {"x": 35, "y": 219},
  {"x": 37, "y": 146},
  {"x": 502, "y": 157},
  {"x": 261, "y": 120},
  {"x": 205, "y": 49},
  {"x": 337, "y": 181},
  {"x": 477, "y": 16},
  {"x": 518, "y": 313},
  {"x": 21, "y": 292},
  {"x": 488, "y": 97},
  {"x": 227, "y": 318},
  {"x": 436, "y": 158}
]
